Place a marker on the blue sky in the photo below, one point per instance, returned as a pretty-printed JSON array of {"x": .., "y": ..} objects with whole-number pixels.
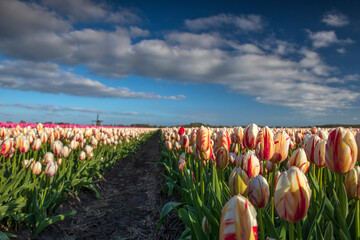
[{"x": 175, "y": 62}]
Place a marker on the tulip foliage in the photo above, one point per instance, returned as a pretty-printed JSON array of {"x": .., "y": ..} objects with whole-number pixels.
[
  {"x": 41, "y": 166},
  {"x": 260, "y": 183}
]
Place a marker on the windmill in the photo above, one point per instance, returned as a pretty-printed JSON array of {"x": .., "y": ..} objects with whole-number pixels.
[{"x": 98, "y": 122}]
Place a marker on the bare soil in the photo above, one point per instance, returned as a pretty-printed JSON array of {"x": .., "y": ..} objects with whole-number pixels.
[{"x": 130, "y": 204}]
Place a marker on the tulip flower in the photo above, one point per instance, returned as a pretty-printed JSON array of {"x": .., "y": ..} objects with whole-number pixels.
[
  {"x": 341, "y": 151},
  {"x": 264, "y": 149},
  {"x": 48, "y": 157},
  {"x": 36, "y": 169},
  {"x": 299, "y": 138},
  {"x": 88, "y": 149},
  {"x": 168, "y": 145},
  {"x": 281, "y": 147},
  {"x": 222, "y": 140},
  {"x": 36, "y": 145},
  {"x": 56, "y": 147},
  {"x": 182, "y": 165},
  {"x": 238, "y": 135},
  {"x": 6, "y": 146},
  {"x": 184, "y": 141},
  {"x": 82, "y": 156},
  {"x": 177, "y": 145},
  {"x": 50, "y": 169},
  {"x": 259, "y": 192},
  {"x": 250, "y": 164},
  {"x": 43, "y": 137},
  {"x": 238, "y": 220},
  {"x": 65, "y": 152},
  {"x": 299, "y": 160},
  {"x": 309, "y": 148},
  {"x": 181, "y": 131},
  {"x": 250, "y": 135},
  {"x": 323, "y": 134},
  {"x": 292, "y": 195},
  {"x": 319, "y": 153},
  {"x": 238, "y": 182},
  {"x": 357, "y": 140}
]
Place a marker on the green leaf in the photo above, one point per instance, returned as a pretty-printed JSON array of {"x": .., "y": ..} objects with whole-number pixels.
[
  {"x": 329, "y": 231},
  {"x": 3, "y": 236},
  {"x": 270, "y": 228},
  {"x": 50, "y": 220},
  {"x": 166, "y": 210}
]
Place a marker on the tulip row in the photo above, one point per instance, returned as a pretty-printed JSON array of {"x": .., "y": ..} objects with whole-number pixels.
[
  {"x": 264, "y": 183},
  {"x": 40, "y": 167}
]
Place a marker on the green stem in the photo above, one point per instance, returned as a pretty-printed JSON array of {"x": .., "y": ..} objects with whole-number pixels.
[
  {"x": 291, "y": 231},
  {"x": 262, "y": 230},
  {"x": 272, "y": 193},
  {"x": 298, "y": 229},
  {"x": 202, "y": 187},
  {"x": 357, "y": 219},
  {"x": 321, "y": 177},
  {"x": 342, "y": 194}
]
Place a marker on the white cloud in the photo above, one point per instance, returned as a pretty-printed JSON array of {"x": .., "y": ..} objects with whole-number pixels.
[
  {"x": 90, "y": 11},
  {"x": 243, "y": 22},
  {"x": 272, "y": 71},
  {"x": 341, "y": 50},
  {"x": 326, "y": 38},
  {"x": 335, "y": 19},
  {"x": 138, "y": 32},
  {"x": 49, "y": 78}
]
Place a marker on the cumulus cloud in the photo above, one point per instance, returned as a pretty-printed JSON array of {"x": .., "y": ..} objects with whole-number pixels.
[
  {"x": 90, "y": 11},
  {"x": 260, "y": 69},
  {"x": 49, "y": 78},
  {"x": 243, "y": 22},
  {"x": 335, "y": 19},
  {"x": 326, "y": 38}
]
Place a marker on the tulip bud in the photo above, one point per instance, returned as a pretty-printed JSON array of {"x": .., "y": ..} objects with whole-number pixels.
[
  {"x": 43, "y": 137},
  {"x": 222, "y": 158},
  {"x": 319, "y": 153},
  {"x": 264, "y": 149},
  {"x": 292, "y": 195},
  {"x": 299, "y": 159},
  {"x": 26, "y": 163},
  {"x": 6, "y": 146},
  {"x": 177, "y": 145},
  {"x": 299, "y": 138},
  {"x": 250, "y": 164},
  {"x": 238, "y": 182},
  {"x": 341, "y": 151},
  {"x": 352, "y": 184},
  {"x": 50, "y": 169},
  {"x": 250, "y": 135},
  {"x": 91, "y": 154},
  {"x": 281, "y": 147},
  {"x": 206, "y": 226},
  {"x": 82, "y": 156},
  {"x": 259, "y": 192},
  {"x": 269, "y": 165},
  {"x": 36, "y": 169},
  {"x": 238, "y": 220},
  {"x": 59, "y": 161}
]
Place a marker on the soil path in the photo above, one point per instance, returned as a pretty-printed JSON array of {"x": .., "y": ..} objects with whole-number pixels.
[{"x": 130, "y": 204}]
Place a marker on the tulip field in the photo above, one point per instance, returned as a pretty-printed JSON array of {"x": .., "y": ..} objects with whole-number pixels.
[
  {"x": 263, "y": 183},
  {"x": 42, "y": 164}
]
